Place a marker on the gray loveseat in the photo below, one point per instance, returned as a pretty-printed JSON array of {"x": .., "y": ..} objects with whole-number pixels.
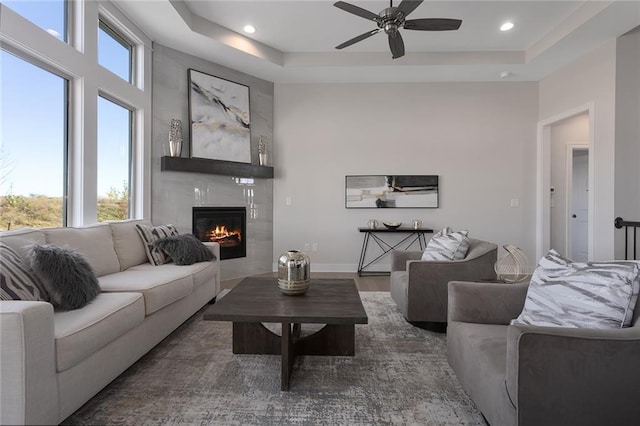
[
  {"x": 54, "y": 362},
  {"x": 527, "y": 375},
  {"x": 419, "y": 287}
]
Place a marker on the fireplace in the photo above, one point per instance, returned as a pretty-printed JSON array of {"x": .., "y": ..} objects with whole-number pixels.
[{"x": 223, "y": 225}]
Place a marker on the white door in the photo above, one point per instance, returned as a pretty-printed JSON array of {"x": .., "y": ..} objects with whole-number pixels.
[{"x": 580, "y": 206}]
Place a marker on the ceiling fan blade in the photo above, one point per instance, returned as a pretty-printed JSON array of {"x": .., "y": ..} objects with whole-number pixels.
[
  {"x": 363, "y": 13},
  {"x": 396, "y": 45},
  {"x": 357, "y": 39},
  {"x": 407, "y": 6},
  {"x": 432, "y": 24}
]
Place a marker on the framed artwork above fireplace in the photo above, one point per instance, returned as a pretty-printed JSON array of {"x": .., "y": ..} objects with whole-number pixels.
[
  {"x": 219, "y": 117},
  {"x": 391, "y": 191}
]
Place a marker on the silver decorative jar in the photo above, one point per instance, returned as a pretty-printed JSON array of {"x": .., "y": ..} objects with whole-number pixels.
[
  {"x": 262, "y": 150},
  {"x": 175, "y": 138},
  {"x": 294, "y": 273}
]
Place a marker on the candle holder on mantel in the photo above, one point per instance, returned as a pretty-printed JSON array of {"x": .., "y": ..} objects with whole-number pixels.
[{"x": 175, "y": 138}]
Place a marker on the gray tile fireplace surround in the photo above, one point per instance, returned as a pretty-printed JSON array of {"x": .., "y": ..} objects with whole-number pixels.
[
  {"x": 179, "y": 192},
  {"x": 173, "y": 194}
]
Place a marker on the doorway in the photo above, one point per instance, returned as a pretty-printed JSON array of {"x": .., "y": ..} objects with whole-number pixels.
[
  {"x": 577, "y": 219},
  {"x": 549, "y": 200}
]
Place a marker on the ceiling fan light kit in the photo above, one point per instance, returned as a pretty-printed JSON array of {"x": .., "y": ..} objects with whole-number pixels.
[{"x": 391, "y": 19}]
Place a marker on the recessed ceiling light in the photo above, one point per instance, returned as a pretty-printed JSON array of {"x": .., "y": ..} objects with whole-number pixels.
[
  {"x": 506, "y": 74},
  {"x": 249, "y": 29},
  {"x": 506, "y": 26},
  {"x": 53, "y": 32}
]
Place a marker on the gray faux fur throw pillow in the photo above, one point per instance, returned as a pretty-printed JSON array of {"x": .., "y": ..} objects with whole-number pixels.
[
  {"x": 66, "y": 275},
  {"x": 184, "y": 249}
]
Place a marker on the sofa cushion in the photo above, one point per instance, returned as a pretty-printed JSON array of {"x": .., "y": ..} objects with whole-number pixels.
[
  {"x": 160, "y": 285},
  {"x": 581, "y": 295},
  {"x": 16, "y": 280},
  {"x": 82, "y": 332},
  {"x": 21, "y": 240},
  {"x": 95, "y": 243},
  {"x": 66, "y": 275},
  {"x": 447, "y": 245},
  {"x": 128, "y": 244},
  {"x": 201, "y": 273},
  {"x": 151, "y": 234}
]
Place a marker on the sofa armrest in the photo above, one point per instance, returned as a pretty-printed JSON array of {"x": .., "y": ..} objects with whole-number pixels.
[
  {"x": 28, "y": 389},
  {"x": 399, "y": 259},
  {"x": 215, "y": 249},
  {"x": 486, "y": 303},
  {"x": 573, "y": 376}
]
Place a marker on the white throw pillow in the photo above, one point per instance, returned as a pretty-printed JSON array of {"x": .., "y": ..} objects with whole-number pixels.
[
  {"x": 447, "y": 245},
  {"x": 581, "y": 295}
]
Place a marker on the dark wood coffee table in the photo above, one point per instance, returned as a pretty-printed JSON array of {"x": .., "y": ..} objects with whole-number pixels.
[{"x": 334, "y": 302}]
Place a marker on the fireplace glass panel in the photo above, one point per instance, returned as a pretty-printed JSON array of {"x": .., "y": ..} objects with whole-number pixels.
[{"x": 224, "y": 225}]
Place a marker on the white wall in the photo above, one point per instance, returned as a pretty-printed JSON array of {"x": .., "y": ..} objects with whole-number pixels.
[
  {"x": 572, "y": 131},
  {"x": 478, "y": 137},
  {"x": 591, "y": 79},
  {"x": 627, "y": 175}
]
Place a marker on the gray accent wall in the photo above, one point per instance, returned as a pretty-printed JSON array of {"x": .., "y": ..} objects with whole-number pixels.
[{"x": 175, "y": 193}]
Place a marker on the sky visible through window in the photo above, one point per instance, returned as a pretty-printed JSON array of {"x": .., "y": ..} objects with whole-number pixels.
[
  {"x": 114, "y": 132},
  {"x": 32, "y": 114},
  {"x": 32, "y": 117},
  {"x": 48, "y": 15},
  {"x": 113, "y": 54}
]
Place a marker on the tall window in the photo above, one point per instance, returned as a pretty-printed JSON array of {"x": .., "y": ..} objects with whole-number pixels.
[
  {"x": 50, "y": 15},
  {"x": 114, "y": 147},
  {"x": 114, "y": 52},
  {"x": 70, "y": 132},
  {"x": 33, "y": 145}
]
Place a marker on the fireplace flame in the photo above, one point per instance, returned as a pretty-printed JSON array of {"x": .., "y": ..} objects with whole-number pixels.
[{"x": 225, "y": 236}]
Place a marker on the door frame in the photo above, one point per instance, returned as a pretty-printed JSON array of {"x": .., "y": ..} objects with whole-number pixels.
[
  {"x": 569, "y": 191},
  {"x": 543, "y": 178}
]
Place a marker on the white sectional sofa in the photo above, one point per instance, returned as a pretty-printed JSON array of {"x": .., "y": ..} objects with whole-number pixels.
[{"x": 54, "y": 362}]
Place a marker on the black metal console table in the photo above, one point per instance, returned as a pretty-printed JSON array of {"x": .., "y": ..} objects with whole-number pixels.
[{"x": 414, "y": 236}]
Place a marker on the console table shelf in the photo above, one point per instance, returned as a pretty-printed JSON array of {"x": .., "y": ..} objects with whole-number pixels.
[
  {"x": 414, "y": 235},
  {"x": 215, "y": 167}
]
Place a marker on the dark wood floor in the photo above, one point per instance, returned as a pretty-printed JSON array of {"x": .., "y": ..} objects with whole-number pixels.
[{"x": 380, "y": 283}]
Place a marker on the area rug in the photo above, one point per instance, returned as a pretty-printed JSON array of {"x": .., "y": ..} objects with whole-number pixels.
[{"x": 399, "y": 375}]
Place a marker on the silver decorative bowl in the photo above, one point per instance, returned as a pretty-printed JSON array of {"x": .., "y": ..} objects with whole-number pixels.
[
  {"x": 294, "y": 273},
  {"x": 392, "y": 225}
]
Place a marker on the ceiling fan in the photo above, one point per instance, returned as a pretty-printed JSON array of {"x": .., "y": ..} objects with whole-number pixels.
[{"x": 391, "y": 19}]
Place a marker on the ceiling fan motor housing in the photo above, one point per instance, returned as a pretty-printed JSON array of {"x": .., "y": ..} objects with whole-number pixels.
[{"x": 389, "y": 21}]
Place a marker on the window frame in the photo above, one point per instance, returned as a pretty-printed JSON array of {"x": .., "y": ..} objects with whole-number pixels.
[
  {"x": 130, "y": 174},
  {"x": 104, "y": 25},
  {"x": 66, "y": 118},
  {"x": 77, "y": 61}
]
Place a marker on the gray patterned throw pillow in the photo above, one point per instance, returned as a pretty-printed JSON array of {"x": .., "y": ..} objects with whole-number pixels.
[
  {"x": 17, "y": 282},
  {"x": 447, "y": 245},
  {"x": 151, "y": 234},
  {"x": 581, "y": 295}
]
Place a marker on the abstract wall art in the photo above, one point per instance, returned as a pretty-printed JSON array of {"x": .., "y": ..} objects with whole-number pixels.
[
  {"x": 391, "y": 191},
  {"x": 219, "y": 116}
]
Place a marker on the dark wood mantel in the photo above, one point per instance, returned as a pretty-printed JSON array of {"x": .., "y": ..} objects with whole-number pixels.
[{"x": 215, "y": 167}]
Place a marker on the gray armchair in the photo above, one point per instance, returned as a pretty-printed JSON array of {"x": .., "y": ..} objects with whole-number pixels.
[
  {"x": 527, "y": 375},
  {"x": 419, "y": 287}
]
